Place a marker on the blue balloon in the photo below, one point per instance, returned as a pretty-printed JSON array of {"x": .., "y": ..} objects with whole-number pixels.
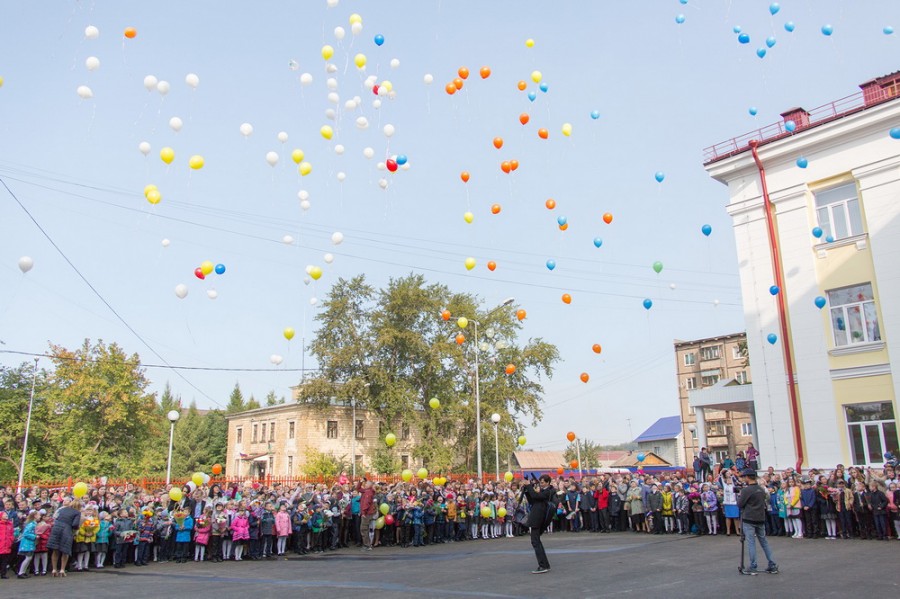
[
  {"x": 827, "y": 30},
  {"x": 706, "y": 230},
  {"x": 802, "y": 162},
  {"x": 753, "y": 110},
  {"x": 402, "y": 159},
  {"x": 562, "y": 220},
  {"x": 597, "y": 242},
  {"x": 659, "y": 176},
  {"x": 829, "y": 239},
  {"x": 790, "y": 126},
  {"x": 736, "y": 28},
  {"x": 772, "y": 338},
  {"x": 820, "y": 302},
  {"x": 888, "y": 30},
  {"x": 641, "y": 457},
  {"x": 895, "y": 133},
  {"x": 817, "y": 232},
  {"x": 761, "y": 52},
  {"x": 774, "y": 8},
  {"x": 771, "y": 41},
  {"x": 532, "y": 96},
  {"x": 679, "y": 19},
  {"x": 684, "y": 1},
  {"x": 774, "y": 290},
  {"x": 551, "y": 264},
  {"x": 543, "y": 86},
  {"x": 789, "y": 26},
  {"x": 379, "y": 39},
  {"x": 595, "y": 114},
  {"x": 220, "y": 269},
  {"x": 744, "y": 38},
  {"x": 648, "y": 303}
]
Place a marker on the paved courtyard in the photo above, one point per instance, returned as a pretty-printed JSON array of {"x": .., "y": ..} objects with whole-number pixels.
[{"x": 584, "y": 565}]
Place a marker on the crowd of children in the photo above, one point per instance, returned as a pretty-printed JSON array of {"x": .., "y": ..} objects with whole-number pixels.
[{"x": 250, "y": 521}]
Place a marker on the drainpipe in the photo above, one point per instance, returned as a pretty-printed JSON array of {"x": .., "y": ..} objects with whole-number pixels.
[{"x": 787, "y": 351}]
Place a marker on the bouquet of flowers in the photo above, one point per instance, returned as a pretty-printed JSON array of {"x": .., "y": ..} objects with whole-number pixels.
[
  {"x": 129, "y": 536},
  {"x": 202, "y": 522},
  {"x": 179, "y": 516},
  {"x": 147, "y": 513},
  {"x": 90, "y": 526}
]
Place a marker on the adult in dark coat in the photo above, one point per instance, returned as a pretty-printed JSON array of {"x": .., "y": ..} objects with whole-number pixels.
[
  {"x": 539, "y": 501},
  {"x": 66, "y": 522}
]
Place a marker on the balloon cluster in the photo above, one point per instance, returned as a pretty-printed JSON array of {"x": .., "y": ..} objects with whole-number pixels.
[{"x": 206, "y": 268}]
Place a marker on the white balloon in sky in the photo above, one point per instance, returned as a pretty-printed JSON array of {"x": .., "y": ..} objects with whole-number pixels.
[
  {"x": 331, "y": 68},
  {"x": 339, "y": 33},
  {"x": 307, "y": 280},
  {"x": 382, "y": 183},
  {"x": 91, "y": 32},
  {"x": 405, "y": 166},
  {"x": 192, "y": 80},
  {"x": 305, "y": 204},
  {"x": 333, "y": 97},
  {"x": 287, "y": 239},
  {"x": 306, "y": 78},
  {"x": 328, "y": 258},
  {"x": 176, "y": 124},
  {"x": 276, "y": 359},
  {"x": 376, "y": 103},
  {"x": 388, "y": 130},
  {"x": 339, "y": 149},
  {"x": 303, "y": 194},
  {"x": 337, "y": 238},
  {"x": 150, "y": 82},
  {"x": 357, "y": 100},
  {"x": 92, "y": 63},
  {"x": 246, "y": 129},
  {"x": 356, "y": 28},
  {"x": 272, "y": 158},
  {"x": 84, "y": 92},
  {"x": 181, "y": 290},
  {"x": 381, "y": 166},
  {"x": 350, "y": 105},
  {"x": 212, "y": 294},
  {"x": 395, "y": 63},
  {"x": 331, "y": 83},
  {"x": 163, "y": 87},
  {"x": 282, "y": 136},
  {"x": 144, "y": 147},
  {"x": 715, "y": 303},
  {"x": 26, "y": 263},
  {"x": 370, "y": 81},
  {"x": 382, "y": 91},
  {"x": 368, "y": 152},
  {"x": 341, "y": 176},
  {"x": 429, "y": 78},
  {"x": 313, "y": 301},
  {"x": 330, "y": 114},
  {"x": 362, "y": 122},
  {"x": 332, "y": 3},
  {"x": 672, "y": 286},
  {"x": 309, "y": 268},
  {"x": 166, "y": 242}
]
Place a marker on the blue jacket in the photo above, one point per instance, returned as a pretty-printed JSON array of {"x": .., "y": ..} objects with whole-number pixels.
[
  {"x": 417, "y": 515},
  {"x": 184, "y": 531},
  {"x": 808, "y": 498},
  {"x": 28, "y": 538}
]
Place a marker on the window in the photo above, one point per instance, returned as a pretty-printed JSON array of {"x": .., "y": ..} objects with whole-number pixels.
[
  {"x": 240, "y": 434},
  {"x": 694, "y": 433},
  {"x": 291, "y": 429},
  {"x": 837, "y": 210},
  {"x": 404, "y": 461},
  {"x": 736, "y": 352},
  {"x": 716, "y": 428},
  {"x": 741, "y": 377},
  {"x": 360, "y": 429},
  {"x": 271, "y": 432},
  {"x": 873, "y": 431},
  {"x": 720, "y": 455},
  {"x": 710, "y": 380},
  {"x": 271, "y": 464},
  {"x": 290, "y": 469},
  {"x": 746, "y": 429},
  {"x": 690, "y": 382},
  {"x": 853, "y": 316},
  {"x": 404, "y": 431},
  {"x": 331, "y": 432},
  {"x": 656, "y": 450},
  {"x": 710, "y": 353},
  {"x": 262, "y": 437},
  {"x": 253, "y": 440},
  {"x": 689, "y": 359},
  {"x": 691, "y": 410}
]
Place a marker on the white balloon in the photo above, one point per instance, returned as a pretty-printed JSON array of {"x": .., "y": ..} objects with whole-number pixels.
[
  {"x": 288, "y": 239},
  {"x": 395, "y": 63},
  {"x": 313, "y": 301},
  {"x": 356, "y": 28},
  {"x": 339, "y": 149},
  {"x": 715, "y": 302},
  {"x": 246, "y": 129},
  {"x": 166, "y": 242},
  {"x": 368, "y": 152},
  {"x": 282, "y": 136},
  {"x": 357, "y": 100},
  {"x": 293, "y": 64},
  {"x": 362, "y": 122},
  {"x": 328, "y": 258},
  {"x": 272, "y": 158},
  {"x": 332, "y": 83},
  {"x": 307, "y": 280},
  {"x": 382, "y": 91},
  {"x": 176, "y": 124},
  {"x": 333, "y": 97},
  {"x": 376, "y": 103},
  {"x": 163, "y": 87},
  {"x": 144, "y": 147},
  {"x": 305, "y": 204},
  {"x": 339, "y": 33},
  {"x": 405, "y": 166},
  {"x": 276, "y": 359},
  {"x": 429, "y": 78},
  {"x": 92, "y": 63},
  {"x": 306, "y": 78},
  {"x": 337, "y": 238},
  {"x": 672, "y": 286},
  {"x": 341, "y": 176},
  {"x": 192, "y": 80},
  {"x": 303, "y": 194},
  {"x": 330, "y": 114},
  {"x": 91, "y": 32},
  {"x": 212, "y": 294},
  {"x": 388, "y": 130},
  {"x": 26, "y": 263},
  {"x": 181, "y": 290},
  {"x": 392, "y": 94},
  {"x": 84, "y": 92},
  {"x": 382, "y": 183},
  {"x": 309, "y": 268},
  {"x": 150, "y": 82},
  {"x": 350, "y": 105},
  {"x": 331, "y": 68},
  {"x": 370, "y": 82},
  {"x": 332, "y": 3},
  {"x": 381, "y": 166}
]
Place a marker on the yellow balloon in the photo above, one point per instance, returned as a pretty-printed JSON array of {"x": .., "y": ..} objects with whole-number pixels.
[
  {"x": 327, "y": 52},
  {"x": 289, "y": 333},
  {"x": 315, "y": 272},
  {"x": 435, "y": 404},
  {"x": 406, "y": 475},
  {"x": 206, "y": 267},
  {"x": 149, "y": 188},
  {"x": 359, "y": 60},
  {"x": 326, "y": 131},
  {"x": 79, "y": 489},
  {"x": 529, "y": 43},
  {"x": 355, "y": 18},
  {"x": 197, "y": 478},
  {"x": 508, "y": 477},
  {"x": 390, "y": 439},
  {"x": 196, "y": 162},
  {"x": 305, "y": 168},
  {"x": 422, "y": 473},
  {"x": 468, "y": 217},
  {"x": 1, "y": 81},
  {"x": 175, "y": 494},
  {"x": 485, "y": 512},
  {"x": 470, "y": 263},
  {"x": 567, "y": 129},
  {"x": 297, "y": 156},
  {"x": 501, "y": 512},
  {"x": 387, "y": 85},
  {"x": 153, "y": 196},
  {"x": 522, "y": 440},
  {"x": 379, "y": 524},
  {"x": 167, "y": 154},
  {"x": 536, "y": 76},
  {"x": 462, "y": 322}
]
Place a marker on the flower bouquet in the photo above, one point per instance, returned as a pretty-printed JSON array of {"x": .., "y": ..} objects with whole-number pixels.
[
  {"x": 202, "y": 522},
  {"x": 179, "y": 516}
]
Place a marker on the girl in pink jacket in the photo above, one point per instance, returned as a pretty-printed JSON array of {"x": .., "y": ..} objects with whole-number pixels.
[
  {"x": 202, "y": 530},
  {"x": 6, "y": 541},
  {"x": 240, "y": 532},
  {"x": 282, "y": 527}
]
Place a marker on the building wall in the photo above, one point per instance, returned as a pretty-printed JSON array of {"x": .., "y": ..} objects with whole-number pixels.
[{"x": 671, "y": 450}]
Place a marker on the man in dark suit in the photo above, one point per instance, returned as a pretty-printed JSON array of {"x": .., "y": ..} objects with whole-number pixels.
[{"x": 539, "y": 518}]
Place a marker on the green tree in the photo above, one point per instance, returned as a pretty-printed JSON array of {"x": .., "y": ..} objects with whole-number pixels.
[
  {"x": 252, "y": 404},
  {"x": 385, "y": 461},
  {"x": 271, "y": 399},
  {"x": 320, "y": 464},
  {"x": 236, "y": 401},
  {"x": 589, "y": 453},
  {"x": 15, "y": 391}
]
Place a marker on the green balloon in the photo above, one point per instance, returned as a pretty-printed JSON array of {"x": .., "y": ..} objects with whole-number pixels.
[
  {"x": 657, "y": 266},
  {"x": 384, "y": 508}
]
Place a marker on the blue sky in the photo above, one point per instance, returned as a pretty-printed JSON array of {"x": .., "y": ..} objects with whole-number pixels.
[{"x": 664, "y": 91}]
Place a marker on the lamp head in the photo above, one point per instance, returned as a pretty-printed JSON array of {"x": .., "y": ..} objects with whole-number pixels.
[
  {"x": 173, "y": 416},
  {"x": 495, "y": 418}
]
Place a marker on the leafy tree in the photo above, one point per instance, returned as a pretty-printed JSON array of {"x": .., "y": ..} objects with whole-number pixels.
[
  {"x": 385, "y": 461},
  {"x": 236, "y": 401},
  {"x": 320, "y": 464},
  {"x": 15, "y": 391},
  {"x": 589, "y": 452},
  {"x": 271, "y": 399},
  {"x": 200, "y": 441},
  {"x": 252, "y": 404},
  {"x": 744, "y": 353}
]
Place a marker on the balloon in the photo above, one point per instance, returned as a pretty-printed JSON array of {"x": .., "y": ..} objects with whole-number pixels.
[
  {"x": 389, "y": 520},
  {"x": 163, "y": 87},
  {"x": 817, "y": 232},
  {"x": 895, "y": 133},
  {"x": 150, "y": 83},
  {"x": 560, "y": 470},
  {"x": 272, "y": 158},
  {"x": 463, "y": 73},
  {"x": 176, "y": 124},
  {"x": 197, "y": 478},
  {"x": 496, "y": 208},
  {"x": 192, "y": 80},
  {"x": 508, "y": 476},
  {"x": 379, "y": 524},
  {"x": 198, "y": 272},
  {"x": 607, "y": 218},
  {"x": 391, "y": 165},
  {"x": 566, "y": 298},
  {"x": 327, "y": 52},
  {"x": 510, "y": 369},
  {"x": 91, "y": 32},
  {"x": 744, "y": 38},
  {"x": 402, "y": 159},
  {"x": 434, "y": 403},
  {"x": 551, "y": 264},
  {"x": 167, "y": 155},
  {"x": 337, "y": 238},
  {"x": 276, "y": 359},
  {"x": 570, "y": 436},
  {"x": 648, "y": 303},
  {"x": 181, "y": 290},
  {"x": 460, "y": 339},
  {"x": 761, "y": 52},
  {"x": 153, "y": 196},
  {"x": 585, "y": 377},
  {"x": 196, "y": 162},
  {"x": 306, "y": 78},
  {"x": 521, "y": 440},
  {"x": 597, "y": 348},
  {"x": 217, "y": 469},
  {"x": 543, "y": 87},
  {"x": 462, "y": 322},
  {"x": 598, "y": 242},
  {"x": 450, "y": 89},
  {"x": 543, "y": 133},
  {"x": 422, "y": 473},
  {"x": 390, "y": 439},
  {"x": 212, "y": 294},
  {"x": 491, "y": 265},
  {"x": 206, "y": 266},
  {"x": 505, "y": 167},
  {"x": 679, "y": 18},
  {"x": 659, "y": 176},
  {"x": 774, "y": 290},
  {"x": 288, "y": 333},
  {"x": 802, "y": 162},
  {"x": 536, "y": 76},
  {"x": 771, "y": 41},
  {"x": 406, "y": 475},
  {"x": 326, "y": 131},
  {"x": 384, "y": 508},
  {"x": 706, "y": 230},
  {"x": 827, "y": 30},
  {"x": 657, "y": 267},
  {"x": 175, "y": 494},
  {"x": 498, "y": 142},
  {"x": 888, "y": 30},
  {"x": 92, "y": 63},
  {"x": 464, "y": 176},
  {"x": 470, "y": 263},
  {"x": 130, "y": 32},
  {"x": 246, "y": 129},
  {"x": 790, "y": 126},
  {"x": 485, "y": 72},
  {"x": 595, "y": 114},
  {"x": 753, "y": 110},
  {"x": 561, "y": 220},
  {"x": 772, "y": 338},
  {"x": 829, "y": 239},
  {"x": 379, "y": 39},
  {"x": 445, "y": 314},
  {"x": 84, "y": 92},
  {"x": 641, "y": 457},
  {"x": 305, "y": 168},
  {"x": 573, "y": 464},
  {"x": 521, "y": 314},
  {"x": 789, "y": 26},
  {"x": 428, "y": 78},
  {"x": 297, "y": 156},
  {"x": 315, "y": 272},
  {"x": 774, "y": 8},
  {"x": 567, "y": 129},
  {"x": 820, "y": 302},
  {"x": 25, "y": 264},
  {"x": 144, "y": 148},
  {"x": 458, "y": 83},
  {"x": 360, "y": 61},
  {"x": 468, "y": 217}
]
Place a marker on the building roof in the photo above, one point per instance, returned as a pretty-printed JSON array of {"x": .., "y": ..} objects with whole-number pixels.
[
  {"x": 608, "y": 457},
  {"x": 539, "y": 460},
  {"x": 683, "y": 343},
  {"x": 727, "y": 394},
  {"x": 630, "y": 460},
  {"x": 664, "y": 428}
]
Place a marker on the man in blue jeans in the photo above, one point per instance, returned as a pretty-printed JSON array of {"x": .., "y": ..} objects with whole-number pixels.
[{"x": 752, "y": 503}]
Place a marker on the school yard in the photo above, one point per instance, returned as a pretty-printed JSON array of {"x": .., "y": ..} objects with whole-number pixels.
[{"x": 583, "y": 565}]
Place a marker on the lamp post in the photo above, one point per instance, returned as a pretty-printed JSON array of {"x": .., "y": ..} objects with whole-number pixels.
[
  {"x": 173, "y": 417},
  {"x": 27, "y": 427},
  {"x": 353, "y": 441},
  {"x": 495, "y": 418}
]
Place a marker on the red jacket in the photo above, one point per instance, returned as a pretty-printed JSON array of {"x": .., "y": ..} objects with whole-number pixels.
[
  {"x": 366, "y": 500},
  {"x": 6, "y": 536},
  {"x": 602, "y": 497}
]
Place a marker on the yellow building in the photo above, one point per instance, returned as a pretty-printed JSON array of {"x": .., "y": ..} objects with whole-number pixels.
[{"x": 815, "y": 201}]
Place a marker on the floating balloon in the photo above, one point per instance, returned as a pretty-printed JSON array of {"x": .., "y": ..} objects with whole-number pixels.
[
  {"x": 287, "y": 239},
  {"x": 744, "y": 38},
  {"x": 491, "y": 265},
  {"x": 360, "y": 61},
  {"x": 246, "y": 129},
  {"x": 485, "y": 72},
  {"x": 297, "y": 156},
  {"x": 167, "y": 155},
  {"x": 196, "y": 162},
  {"x": 163, "y": 87},
  {"x": 402, "y": 159},
  {"x": 543, "y": 133},
  {"x": 181, "y": 290},
  {"x": 463, "y": 73},
  {"x": 272, "y": 158},
  {"x": 315, "y": 272},
  {"x": 510, "y": 369},
  {"x": 566, "y": 298},
  {"x": 176, "y": 124},
  {"x": 570, "y": 436},
  {"x": 130, "y": 32},
  {"x": 888, "y": 30},
  {"x": 496, "y": 208},
  {"x": 753, "y": 110},
  {"x": 406, "y": 475},
  {"x": 641, "y": 457},
  {"x": 379, "y": 39},
  {"x": 305, "y": 168},
  {"x": 679, "y": 18},
  {"x": 550, "y": 204},
  {"x": 462, "y": 322},
  {"x": 659, "y": 176},
  {"x": 596, "y": 348},
  {"x": 165, "y": 242},
  {"x": 144, "y": 148},
  {"x": 521, "y": 314},
  {"x": 585, "y": 377},
  {"x": 894, "y": 133},
  {"x": 761, "y": 52},
  {"x": 551, "y": 264},
  {"x": 445, "y": 314},
  {"x": 536, "y": 76},
  {"x": 706, "y": 230},
  {"x": 326, "y": 131},
  {"x": 175, "y": 494},
  {"x": 607, "y": 218},
  {"x": 774, "y": 290},
  {"x": 327, "y": 52},
  {"x": 827, "y": 30},
  {"x": 392, "y": 166},
  {"x": 774, "y": 8},
  {"x": 498, "y": 142},
  {"x": 802, "y": 162},
  {"x": 153, "y": 196},
  {"x": 150, "y": 83},
  {"x": 468, "y": 217},
  {"x": 212, "y": 294},
  {"x": 390, "y": 439},
  {"x": 772, "y": 338},
  {"x": 25, "y": 264},
  {"x": 771, "y": 41},
  {"x": 561, "y": 220},
  {"x": 567, "y": 129},
  {"x": 337, "y": 238},
  {"x": 532, "y": 96},
  {"x": 306, "y": 78},
  {"x": 820, "y": 302},
  {"x": 276, "y": 359},
  {"x": 595, "y": 114},
  {"x": 829, "y": 239},
  {"x": 84, "y": 92},
  {"x": 648, "y": 303},
  {"x": 460, "y": 339},
  {"x": 790, "y": 126},
  {"x": 657, "y": 267},
  {"x": 92, "y": 63},
  {"x": 470, "y": 263},
  {"x": 508, "y": 477},
  {"x": 220, "y": 269},
  {"x": 817, "y": 232},
  {"x": 192, "y": 80},
  {"x": 422, "y": 473},
  {"x": 543, "y": 86},
  {"x": 521, "y": 440},
  {"x": 217, "y": 469},
  {"x": 91, "y": 32}
]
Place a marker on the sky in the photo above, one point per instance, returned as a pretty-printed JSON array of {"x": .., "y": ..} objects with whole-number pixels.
[{"x": 661, "y": 92}]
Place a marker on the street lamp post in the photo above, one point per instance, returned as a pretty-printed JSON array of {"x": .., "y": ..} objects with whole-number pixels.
[
  {"x": 27, "y": 427},
  {"x": 495, "y": 418},
  {"x": 353, "y": 441},
  {"x": 173, "y": 417}
]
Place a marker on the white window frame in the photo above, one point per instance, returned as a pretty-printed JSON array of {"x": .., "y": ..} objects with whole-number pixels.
[
  {"x": 711, "y": 352},
  {"x": 690, "y": 359},
  {"x": 709, "y": 381},
  {"x": 736, "y": 352},
  {"x": 866, "y": 308},
  {"x": 846, "y": 207},
  {"x": 690, "y": 382},
  {"x": 741, "y": 377},
  {"x": 746, "y": 429},
  {"x": 879, "y": 426}
]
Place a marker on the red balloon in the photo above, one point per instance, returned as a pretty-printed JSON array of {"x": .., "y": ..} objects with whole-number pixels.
[
  {"x": 389, "y": 519},
  {"x": 198, "y": 272},
  {"x": 375, "y": 89},
  {"x": 391, "y": 165}
]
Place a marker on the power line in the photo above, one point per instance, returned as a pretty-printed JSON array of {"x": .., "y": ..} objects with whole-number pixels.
[{"x": 166, "y": 366}]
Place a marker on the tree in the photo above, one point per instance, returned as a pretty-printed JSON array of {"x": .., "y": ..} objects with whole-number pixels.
[
  {"x": 200, "y": 441},
  {"x": 236, "y": 401},
  {"x": 589, "y": 453},
  {"x": 252, "y": 404},
  {"x": 324, "y": 465},
  {"x": 744, "y": 353},
  {"x": 15, "y": 391},
  {"x": 385, "y": 461},
  {"x": 271, "y": 399}
]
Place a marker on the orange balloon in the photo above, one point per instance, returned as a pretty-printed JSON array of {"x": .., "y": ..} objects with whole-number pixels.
[
  {"x": 445, "y": 314},
  {"x": 566, "y": 298},
  {"x": 523, "y": 118},
  {"x": 463, "y": 72},
  {"x": 564, "y": 227},
  {"x": 505, "y": 167},
  {"x": 510, "y": 368},
  {"x": 451, "y": 89},
  {"x": 491, "y": 265},
  {"x": 458, "y": 83},
  {"x": 460, "y": 339},
  {"x": 585, "y": 377},
  {"x": 130, "y": 32},
  {"x": 607, "y": 218},
  {"x": 597, "y": 349},
  {"x": 496, "y": 208},
  {"x": 559, "y": 470},
  {"x": 521, "y": 314},
  {"x": 498, "y": 142},
  {"x": 570, "y": 436},
  {"x": 522, "y": 86},
  {"x": 485, "y": 72},
  {"x": 464, "y": 176},
  {"x": 543, "y": 133},
  {"x": 217, "y": 469},
  {"x": 550, "y": 204},
  {"x": 513, "y": 164},
  {"x": 573, "y": 464}
]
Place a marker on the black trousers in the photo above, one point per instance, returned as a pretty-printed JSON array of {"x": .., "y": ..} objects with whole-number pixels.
[{"x": 539, "y": 552}]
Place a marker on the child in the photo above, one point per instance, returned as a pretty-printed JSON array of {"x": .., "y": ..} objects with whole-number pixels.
[
  {"x": 184, "y": 524},
  {"x": 298, "y": 530},
  {"x": 44, "y": 525},
  {"x": 240, "y": 532},
  {"x": 418, "y": 522},
  {"x": 697, "y": 511},
  {"x": 6, "y": 540},
  {"x": 682, "y": 510},
  {"x": 809, "y": 507},
  {"x": 84, "y": 538},
  {"x": 144, "y": 539},
  {"x": 125, "y": 534},
  {"x": 282, "y": 528},
  {"x": 27, "y": 542},
  {"x": 219, "y": 523},
  {"x": 792, "y": 499},
  {"x": 202, "y": 532},
  {"x": 668, "y": 510},
  {"x": 267, "y": 529},
  {"x": 163, "y": 548},
  {"x": 101, "y": 544}
]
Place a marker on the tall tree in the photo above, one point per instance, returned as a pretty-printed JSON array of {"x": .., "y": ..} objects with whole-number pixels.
[
  {"x": 252, "y": 404},
  {"x": 589, "y": 452},
  {"x": 271, "y": 399},
  {"x": 236, "y": 401},
  {"x": 15, "y": 391}
]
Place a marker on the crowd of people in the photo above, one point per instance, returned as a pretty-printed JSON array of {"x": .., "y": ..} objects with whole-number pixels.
[{"x": 52, "y": 532}]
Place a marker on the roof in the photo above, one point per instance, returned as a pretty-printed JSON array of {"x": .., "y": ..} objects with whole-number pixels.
[
  {"x": 679, "y": 343},
  {"x": 664, "y": 428},
  {"x": 539, "y": 460},
  {"x": 608, "y": 457},
  {"x": 630, "y": 460}
]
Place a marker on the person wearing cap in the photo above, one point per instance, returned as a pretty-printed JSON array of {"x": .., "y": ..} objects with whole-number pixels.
[{"x": 752, "y": 503}]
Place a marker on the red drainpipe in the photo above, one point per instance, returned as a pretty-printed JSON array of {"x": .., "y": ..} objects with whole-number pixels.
[{"x": 782, "y": 309}]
